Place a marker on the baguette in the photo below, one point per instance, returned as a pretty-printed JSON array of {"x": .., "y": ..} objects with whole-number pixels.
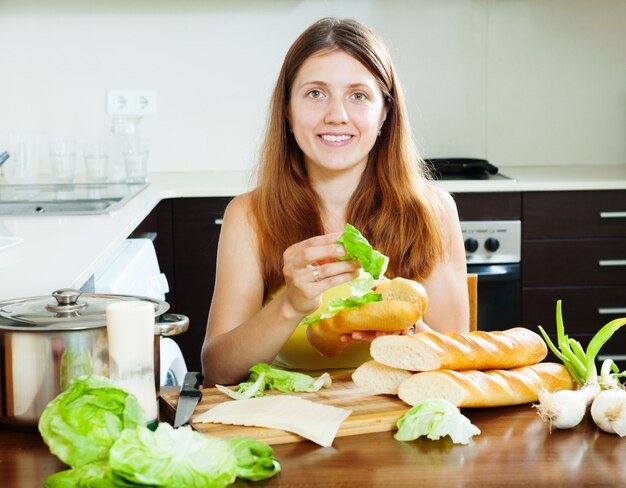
[
  {"x": 428, "y": 351},
  {"x": 404, "y": 302},
  {"x": 495, "y": 388},
  {"x": 378, "y": 378}
]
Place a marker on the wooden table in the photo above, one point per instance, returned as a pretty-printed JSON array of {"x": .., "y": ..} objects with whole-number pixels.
[{"x": 514, "y": 449}]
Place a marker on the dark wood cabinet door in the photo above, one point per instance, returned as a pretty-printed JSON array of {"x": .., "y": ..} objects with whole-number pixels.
[
  {"x": 489, "y": 206},
  {"x": 574, "y": 214},
  {"x": 585, "y": 308},
  {"x": 196, "y": 224},
  {"x": 565, "y": 262}
]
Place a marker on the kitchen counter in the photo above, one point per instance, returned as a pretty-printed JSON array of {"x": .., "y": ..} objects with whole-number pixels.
[
  {"x": 62, "y": 252},
  {"x": 515, "y": 448}
]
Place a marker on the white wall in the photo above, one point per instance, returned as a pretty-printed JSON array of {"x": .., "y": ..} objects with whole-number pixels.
[{"x": 520, "y": 82}]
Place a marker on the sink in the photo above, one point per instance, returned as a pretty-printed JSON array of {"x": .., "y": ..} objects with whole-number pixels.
[
  {"x": 75, "y": 207},
  {"x": 74, "y": 199}
]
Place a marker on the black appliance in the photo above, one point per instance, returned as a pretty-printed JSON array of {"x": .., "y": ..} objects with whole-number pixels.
[
  {"x": 462, "y": 169},
  {"x": 493, "y": 252}
]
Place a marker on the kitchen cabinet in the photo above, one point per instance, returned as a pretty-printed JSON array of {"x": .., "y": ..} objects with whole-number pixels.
[
  {"x": 489, "y": 206},
  {"x": 186, "y": 244},
  {"x": 574, "y": 249}
]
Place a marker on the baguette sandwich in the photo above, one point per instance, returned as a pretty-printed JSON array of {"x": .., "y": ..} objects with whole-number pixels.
[
  {"x": 376, "y": 303},
  {"x": 402, "y": 303}
]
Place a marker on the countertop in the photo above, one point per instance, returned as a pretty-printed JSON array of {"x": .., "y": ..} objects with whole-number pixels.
[
  {"x": 64, "y": 252},
  {"x": 515, "y": 448}
]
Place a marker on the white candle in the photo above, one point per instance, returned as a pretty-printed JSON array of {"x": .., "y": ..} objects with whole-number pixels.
[{"x": 130, "y": 331}]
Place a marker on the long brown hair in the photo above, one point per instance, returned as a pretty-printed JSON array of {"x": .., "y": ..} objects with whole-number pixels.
[{"x": 394, "y": 205}]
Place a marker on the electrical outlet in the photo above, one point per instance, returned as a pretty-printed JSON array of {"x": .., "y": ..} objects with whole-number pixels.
[{"x": 131, "y": 102}]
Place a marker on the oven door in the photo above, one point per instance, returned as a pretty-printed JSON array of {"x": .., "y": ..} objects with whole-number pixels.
[{"x": 499, "y": 295}]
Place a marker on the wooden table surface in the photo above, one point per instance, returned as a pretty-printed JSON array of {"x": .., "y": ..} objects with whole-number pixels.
[{"x": 514, "y": 449}]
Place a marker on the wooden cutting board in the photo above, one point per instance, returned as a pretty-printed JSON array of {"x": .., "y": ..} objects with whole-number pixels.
[{"x": 370, "y": 413}]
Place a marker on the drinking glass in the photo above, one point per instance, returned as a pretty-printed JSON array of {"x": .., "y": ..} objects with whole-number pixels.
[
  {"x": 136, "y": 152},
  {"x": 96, "y": 155},
  {"x": 63, "y": 160}
]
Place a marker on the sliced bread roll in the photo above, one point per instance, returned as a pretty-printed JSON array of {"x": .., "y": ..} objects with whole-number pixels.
[
  {"x": 495, "y": 388},
  {"x": 404, "y": 302},
  {"x": 481, "y": 350},
  {"x": 379, "y": 378}
]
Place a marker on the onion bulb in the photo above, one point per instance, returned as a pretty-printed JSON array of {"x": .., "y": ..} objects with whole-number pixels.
[
  {"x": 565, "y": 409},
  {"x": 609, "y": 411}
]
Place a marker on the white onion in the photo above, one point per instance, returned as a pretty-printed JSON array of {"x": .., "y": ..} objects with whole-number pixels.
[
  {"x": 565, "y": 409},
  {"x": 609, "y": 411}
]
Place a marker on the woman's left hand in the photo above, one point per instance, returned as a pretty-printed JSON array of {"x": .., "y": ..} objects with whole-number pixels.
[{"x": 360, "y": 336}]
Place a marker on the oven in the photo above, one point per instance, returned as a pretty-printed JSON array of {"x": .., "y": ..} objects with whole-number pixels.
[
  {"x": 493, "y": 252},
  {"x": 492, "y": 245}
]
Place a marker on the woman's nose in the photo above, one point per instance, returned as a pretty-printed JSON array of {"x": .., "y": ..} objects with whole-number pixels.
[{"x": 336, "y": 112}]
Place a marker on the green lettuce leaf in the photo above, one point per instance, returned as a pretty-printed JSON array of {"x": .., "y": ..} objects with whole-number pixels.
[
  {"x": 338, "y": 304},
  {"x": 288, "y": 381},
  {"x": 93, "y": 474},
  {"x": 357, "y": 247},
  {"x": 173, "y": 458},
  {"x": 81, "y": 424},
  {"x": 247, "y": 389},
  {"x": 264, "y": 377},
  {"x": 435, "y": 418},
  {"x": 255, "y": 459}
]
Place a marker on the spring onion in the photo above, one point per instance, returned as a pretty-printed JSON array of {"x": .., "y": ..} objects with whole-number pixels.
[{"x": 566, "y": 408}]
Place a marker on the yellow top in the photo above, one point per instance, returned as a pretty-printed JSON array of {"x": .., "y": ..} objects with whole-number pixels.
[{"x": 299, "y": 354}]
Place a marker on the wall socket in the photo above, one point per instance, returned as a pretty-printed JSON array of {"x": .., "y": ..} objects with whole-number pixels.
[{"x": 131, "y": 102}]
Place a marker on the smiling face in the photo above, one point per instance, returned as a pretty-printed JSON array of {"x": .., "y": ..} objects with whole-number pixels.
[{"x": 335, "y": 112}]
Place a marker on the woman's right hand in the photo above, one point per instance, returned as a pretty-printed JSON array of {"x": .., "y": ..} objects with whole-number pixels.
[{"x": 311, "y": 267}]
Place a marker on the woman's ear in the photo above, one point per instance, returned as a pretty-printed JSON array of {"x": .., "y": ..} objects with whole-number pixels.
[
  {"x": 287, "y": 117},
  {"x": 383, "y": 118}
]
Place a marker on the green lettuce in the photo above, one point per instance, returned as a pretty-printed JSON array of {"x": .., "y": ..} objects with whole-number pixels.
[
  {"x": 435, "y": 418},
  {"x": 264, "y": 377},
  {"x": 336, "y": 305},
  {"x": 357, "y": 247},
  {"x": 255, "y": 459},
  {"x": 81, "y": 424},
  {"x": 373, "y": 267},
  {"x": 173, "y": 458}
]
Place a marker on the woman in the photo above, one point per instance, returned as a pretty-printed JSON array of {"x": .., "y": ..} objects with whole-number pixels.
[{"x": 338, "y": 149}]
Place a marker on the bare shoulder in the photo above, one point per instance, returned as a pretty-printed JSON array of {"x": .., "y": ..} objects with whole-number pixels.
[
  {"x": 445, "y": 202},
  {"x": 239, "y": 207},
  {"x": 237, "y": 227}
]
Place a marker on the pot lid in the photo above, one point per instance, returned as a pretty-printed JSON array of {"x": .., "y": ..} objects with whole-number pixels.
[{"x": 65, "y": 309}]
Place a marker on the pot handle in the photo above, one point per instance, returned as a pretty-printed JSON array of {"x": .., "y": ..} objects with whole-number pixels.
[{"x": 171, "y": 324}]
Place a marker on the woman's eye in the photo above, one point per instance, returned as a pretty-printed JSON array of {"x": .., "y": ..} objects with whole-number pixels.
[
  {"x": 360, "y": 97},
  {"x": 315, "y": 94}
]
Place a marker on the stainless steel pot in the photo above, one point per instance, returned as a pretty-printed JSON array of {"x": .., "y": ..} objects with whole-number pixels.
[{"x": 46, "y": 341}]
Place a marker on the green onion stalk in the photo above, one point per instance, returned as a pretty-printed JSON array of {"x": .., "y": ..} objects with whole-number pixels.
[{"x": 565, "y": 409}]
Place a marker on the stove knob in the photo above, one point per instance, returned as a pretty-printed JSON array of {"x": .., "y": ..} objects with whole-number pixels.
[
  {"x": 492, "y": 244},
  {"x": 471, "y": 244}
]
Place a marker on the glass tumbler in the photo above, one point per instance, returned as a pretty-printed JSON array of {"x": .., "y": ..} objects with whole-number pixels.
[
  {"x": 63, "y": 160},
  {"x": 96, "y": 155},
  {"x": 136, "y": 152}
]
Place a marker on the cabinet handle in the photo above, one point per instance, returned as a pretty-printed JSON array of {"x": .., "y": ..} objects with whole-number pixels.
[
  {"x": 612, "y": 215},
  {"x": 602, "y": 357},
  {"x": 612, "y": 262},
  {"x": 219, "y": 221},
  {"x": 611, "y": 310}
]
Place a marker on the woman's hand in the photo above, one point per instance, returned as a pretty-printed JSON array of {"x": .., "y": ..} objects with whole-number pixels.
[
  {"x": 369, "y": 335},
  {"x": 311, "y": 267}
]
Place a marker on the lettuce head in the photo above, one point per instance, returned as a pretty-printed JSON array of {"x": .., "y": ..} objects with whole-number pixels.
[
  {"x": 81, "y": 424},
  {"x": 173, "y": 457}
]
